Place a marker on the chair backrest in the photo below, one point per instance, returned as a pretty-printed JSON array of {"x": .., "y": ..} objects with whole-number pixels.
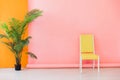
[{"x": 86, "y": 43}]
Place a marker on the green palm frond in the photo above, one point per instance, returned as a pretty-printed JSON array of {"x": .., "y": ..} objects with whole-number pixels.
[
  {"x": 4, "y": 36},
  {"x": 33, "y": 14},
  {"x": 5, "y": 27},
  {"x": 15, "y": 29},
  {"x": 21, "y": 44},
  {"x": 29, "y": 17},
  {"x": 8, "y": 44},
  {"x": 32, "y": 55}
]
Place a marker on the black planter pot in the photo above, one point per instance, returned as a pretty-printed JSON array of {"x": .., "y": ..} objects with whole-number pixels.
[{"x": 17, "y": 67}]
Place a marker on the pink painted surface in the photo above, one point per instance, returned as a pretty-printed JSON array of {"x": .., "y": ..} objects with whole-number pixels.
[{"x": 56, "y": 34}]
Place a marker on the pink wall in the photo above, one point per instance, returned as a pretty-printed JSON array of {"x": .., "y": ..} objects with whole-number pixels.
[{"x": 56, "y": 34}]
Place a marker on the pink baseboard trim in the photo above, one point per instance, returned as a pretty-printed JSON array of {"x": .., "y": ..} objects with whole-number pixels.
[
  {"x": 70, "y": 65},
  {"x": 51, "y": 65}
]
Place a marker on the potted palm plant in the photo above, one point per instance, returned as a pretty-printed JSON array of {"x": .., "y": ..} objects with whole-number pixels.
[{"x": 14, "y": 32}]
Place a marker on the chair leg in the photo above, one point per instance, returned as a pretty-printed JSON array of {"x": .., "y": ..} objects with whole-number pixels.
[
  {"x": 93, "y": 64},
  {"x": 80, "y": 64},
  {"x": 98, "y": 64}
]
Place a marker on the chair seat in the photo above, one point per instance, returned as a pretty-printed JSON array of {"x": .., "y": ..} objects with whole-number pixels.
[{"x": 89, "y": 56}]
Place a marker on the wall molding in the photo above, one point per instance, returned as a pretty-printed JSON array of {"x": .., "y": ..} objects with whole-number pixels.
[{"x": 70, "y": 65}]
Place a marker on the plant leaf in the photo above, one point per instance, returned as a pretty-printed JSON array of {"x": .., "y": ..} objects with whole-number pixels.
[
  {"x": 32, "y": 55},
  {"x": 29, "y": 17},
  {"x": 8, "y": 44},
  {"x": 3, "y": 36},
  {"x": 20, "y": 45}
]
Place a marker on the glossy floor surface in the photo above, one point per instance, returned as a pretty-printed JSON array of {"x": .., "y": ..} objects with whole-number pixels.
[{"x": 60, "y": 74}]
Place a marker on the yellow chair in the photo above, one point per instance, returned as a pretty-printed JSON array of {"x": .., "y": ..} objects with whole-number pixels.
[{"x": 87, "y": 51}]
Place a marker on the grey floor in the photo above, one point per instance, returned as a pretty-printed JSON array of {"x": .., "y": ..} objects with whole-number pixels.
[{"x": 60, "y": 74}]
